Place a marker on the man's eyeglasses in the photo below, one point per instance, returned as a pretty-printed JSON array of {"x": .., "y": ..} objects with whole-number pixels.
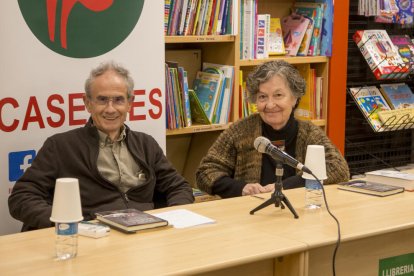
[{"x": 104, "y": 100}]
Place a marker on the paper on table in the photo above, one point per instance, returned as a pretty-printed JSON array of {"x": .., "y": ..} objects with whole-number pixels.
[{"x": 182, "y": 218}]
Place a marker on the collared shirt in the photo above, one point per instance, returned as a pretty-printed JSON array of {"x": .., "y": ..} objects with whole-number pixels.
[{"x": 116, "y": 164}]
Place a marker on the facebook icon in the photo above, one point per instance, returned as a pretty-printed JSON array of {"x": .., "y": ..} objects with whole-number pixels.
[{"x": 19, "y": 161}]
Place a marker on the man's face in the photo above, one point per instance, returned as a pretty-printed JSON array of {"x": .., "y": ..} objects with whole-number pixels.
[{"x": 109, "y": 103}]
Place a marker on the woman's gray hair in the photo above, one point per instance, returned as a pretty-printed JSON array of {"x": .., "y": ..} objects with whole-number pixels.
[
  {"x": 109, "y": 66},
  {"x": 265, "y": 71}
]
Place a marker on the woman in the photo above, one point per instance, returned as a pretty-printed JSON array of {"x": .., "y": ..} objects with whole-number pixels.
[{"x": 233, "y": 167}]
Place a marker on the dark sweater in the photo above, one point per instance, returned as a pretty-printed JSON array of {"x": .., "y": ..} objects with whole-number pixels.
[{"x": 74, "y": 154}]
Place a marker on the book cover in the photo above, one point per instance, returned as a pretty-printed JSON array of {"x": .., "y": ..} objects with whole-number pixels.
[
  {"x": 398, "y": 95},
  {"x": 370, "y": 101},
  {"x": 392, "y": 177},
  {"x": 207, "y": 86},
  {"x": 228, "y": 72},
  {"x": 276, "y": 44},
  {"x": 405, "y": 48},
  {"x": 370, "y": 188},
  {"x": 130, "y": 220},
  {"x": 197, "y": 112},
  {"x": 380, "y": 54},
  {"x": 262, "y": 36},
  {"x": 294, "y": 28},
  {"x": 397, "y": 118}
]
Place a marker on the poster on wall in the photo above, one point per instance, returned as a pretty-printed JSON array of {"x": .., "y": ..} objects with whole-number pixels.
[{"x": 48, "y": 49}]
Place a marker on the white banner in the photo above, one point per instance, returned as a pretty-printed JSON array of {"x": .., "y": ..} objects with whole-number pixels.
[{"x": 47, "y": 51}]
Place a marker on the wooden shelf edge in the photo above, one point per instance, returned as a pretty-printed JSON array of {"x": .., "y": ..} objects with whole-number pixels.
[
  {"x": 196, "y": 129},
  {"x": 202, "y": 38},
  {"x": 319, "y": 122},
  {"x": 291, "y": 60}
]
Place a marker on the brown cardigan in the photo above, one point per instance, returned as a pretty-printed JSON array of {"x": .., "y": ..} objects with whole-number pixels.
[{"x": 234, "y": 155}]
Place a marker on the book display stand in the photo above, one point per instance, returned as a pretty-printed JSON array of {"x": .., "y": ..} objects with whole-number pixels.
[
  {"x": 277, "y": 197},
  {"x": 392, "y": 120}
]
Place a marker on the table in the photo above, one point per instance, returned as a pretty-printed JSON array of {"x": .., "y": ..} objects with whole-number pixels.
[{"x": 270, "y": 242}]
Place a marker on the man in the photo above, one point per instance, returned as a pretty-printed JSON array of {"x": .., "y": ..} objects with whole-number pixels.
[{"x": 117, "y": 168}]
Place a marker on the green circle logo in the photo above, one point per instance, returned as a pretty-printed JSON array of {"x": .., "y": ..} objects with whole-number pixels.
[{"x": 81, "y": 28}]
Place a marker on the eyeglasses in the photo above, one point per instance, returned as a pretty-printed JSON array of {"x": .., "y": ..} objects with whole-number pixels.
[{"x": 104, "y": 100}]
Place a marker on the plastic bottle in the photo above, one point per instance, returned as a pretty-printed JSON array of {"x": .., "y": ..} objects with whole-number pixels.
[
  {"x": 66, "y": 246},
  {"x": 313, "y": 194}
]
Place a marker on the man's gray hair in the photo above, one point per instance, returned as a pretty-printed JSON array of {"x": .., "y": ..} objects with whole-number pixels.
[{"x": 109, "y": 66}]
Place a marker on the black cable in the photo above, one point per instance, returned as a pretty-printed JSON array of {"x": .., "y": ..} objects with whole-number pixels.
[{"x": 338, "y": 241}]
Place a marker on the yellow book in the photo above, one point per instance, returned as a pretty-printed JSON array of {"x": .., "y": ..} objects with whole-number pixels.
[
  {"x": 276, "y": 44},
  {"x": 306, "y": 107}
]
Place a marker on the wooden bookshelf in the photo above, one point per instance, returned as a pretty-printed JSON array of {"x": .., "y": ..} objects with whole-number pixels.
[{"x": 187, "y": 146}]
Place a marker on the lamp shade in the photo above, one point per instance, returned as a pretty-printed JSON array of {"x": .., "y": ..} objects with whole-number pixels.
[
  {"x": 315, "y": 161},
  {"x": 66, "y": 201}
]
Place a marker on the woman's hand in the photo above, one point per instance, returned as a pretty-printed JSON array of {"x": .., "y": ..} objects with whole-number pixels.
[{"x": 256, "y": 188}]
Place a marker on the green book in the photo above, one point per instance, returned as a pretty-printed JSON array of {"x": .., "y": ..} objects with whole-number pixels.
[{"x": 198, "y": 114}]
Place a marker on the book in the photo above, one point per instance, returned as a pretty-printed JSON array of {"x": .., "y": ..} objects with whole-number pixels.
[
  {"x": 380, "y": 54},
  {"x": 262, "y": 36},
  {"x": 370, "y": 188},
  {"x": 405, "y": 48},
  {"x": 294, "y": 27},
  {"x": 397, "y": 118},
  {"x": 130, "y": 220},
  {"x": 370, "y": 101},
  {"x": 306, "y": 107},
  {"x": 208, "y": 86},
  {"x": 398, "y": 95},
  {"x": 197, "y": 112},
  {"x": 276, "y": 44},
  {"x": 392, "y": 177}
]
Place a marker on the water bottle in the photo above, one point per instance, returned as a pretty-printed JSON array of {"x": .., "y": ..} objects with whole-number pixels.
[
  {"x": 66, "y": 246},
  {"x": 313, "y": 194}
]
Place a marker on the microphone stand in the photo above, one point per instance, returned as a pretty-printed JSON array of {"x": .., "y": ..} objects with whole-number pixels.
[{"x": 277, "y": 197}]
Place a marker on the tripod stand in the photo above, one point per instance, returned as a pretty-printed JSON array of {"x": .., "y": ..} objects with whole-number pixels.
[{"x": 277, "y": 197}]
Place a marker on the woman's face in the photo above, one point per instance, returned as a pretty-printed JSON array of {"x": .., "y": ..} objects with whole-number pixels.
[{"x": 275, "y": 102}]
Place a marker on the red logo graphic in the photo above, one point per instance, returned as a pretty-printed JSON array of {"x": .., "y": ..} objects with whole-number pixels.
[{"x": 67, "y": 5}]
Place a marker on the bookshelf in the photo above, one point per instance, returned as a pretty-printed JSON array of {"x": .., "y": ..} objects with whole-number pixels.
[{"x": 186, "y": 146}]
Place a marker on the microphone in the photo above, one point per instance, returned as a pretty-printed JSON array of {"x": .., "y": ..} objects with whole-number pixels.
[{"x": 263, "y": 145}]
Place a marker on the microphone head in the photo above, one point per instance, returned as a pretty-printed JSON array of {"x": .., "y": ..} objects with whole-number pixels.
[{"x": 260, "y": 144}]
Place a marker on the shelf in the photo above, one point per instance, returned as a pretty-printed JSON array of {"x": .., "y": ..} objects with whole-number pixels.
[
  {"x": 197, "y": 129},
  {"x": 291, "y": 60},
  {"x": 197, "y": 39},
  {"x": 319, "y": 122}
]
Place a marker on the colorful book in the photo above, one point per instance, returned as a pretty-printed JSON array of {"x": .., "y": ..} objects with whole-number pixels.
[
  {"x": 405, "y": 48},
  {"x": 398, "y": 95},
  {"x": 294, "y": 28},
  {"x": 262, "y": 36},
  {"x": 380, "y": 54},
  {"x": 197, "y": 112},
  {"x": 130, "y": 220},
  {"x": 395, "y": 11},
  {"x": 276, "y": 44},
  {"x": 207, "y": 87},
  {"x": 370, "y": 101}
]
